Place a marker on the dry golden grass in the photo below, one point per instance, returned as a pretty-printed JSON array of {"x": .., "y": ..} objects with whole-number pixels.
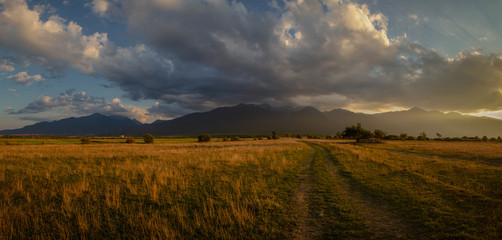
[
  {"x": 246, "y": 189},
  {"x": 159, "y": 191}
]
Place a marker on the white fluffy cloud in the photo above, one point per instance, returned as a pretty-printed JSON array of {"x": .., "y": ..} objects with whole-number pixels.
[
  {"x": 25, "y": 79},
  {"x": 79, "y": 103},
  {"x": 53, "y": 43},
  {"x": 100, "y": 7}
]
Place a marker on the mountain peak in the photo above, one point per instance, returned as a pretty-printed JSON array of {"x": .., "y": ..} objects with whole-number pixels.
[
  {"x": 250, "y": 105},
  {"x": 416, "y": 109},
  {"x": 309, "y": 109}
]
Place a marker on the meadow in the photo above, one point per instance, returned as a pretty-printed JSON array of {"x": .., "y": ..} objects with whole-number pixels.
[{"x": 267, "y": 189}]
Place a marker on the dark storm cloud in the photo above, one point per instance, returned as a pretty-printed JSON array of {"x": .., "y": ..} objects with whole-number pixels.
[
  {"x": 220, "y": 53},
  {"x": 198, "y": 54}
]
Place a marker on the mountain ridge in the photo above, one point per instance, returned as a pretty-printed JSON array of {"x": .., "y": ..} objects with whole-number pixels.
[
  {"x": 252, "y": 119},
  {"x": 94, "y": 124}
]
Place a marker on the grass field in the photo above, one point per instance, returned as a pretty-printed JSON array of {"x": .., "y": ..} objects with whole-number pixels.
[{"x": 270, "y": 189}]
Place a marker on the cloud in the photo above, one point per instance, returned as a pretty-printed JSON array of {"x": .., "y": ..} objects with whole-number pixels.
[
  {"x": 25, "y": 79},
  {"x": 206, "y": 53},
  {"x": 167, "y": 110},
  {"x": 79, "y": 103},
  {"x": 100, "y": 7},
  {"x": 226, "y": 54},
  {"x": 415, "y": 18},
  {"x": 36, "y": 119},
  {"x": 307, "y": 53},
  {"x": 53, "y": 43},
  {"x": 6, "y": 66},
  {"x": 14, "y": 92}
]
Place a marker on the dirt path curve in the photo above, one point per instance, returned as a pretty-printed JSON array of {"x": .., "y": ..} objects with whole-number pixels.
[
  {"x": 306, "y": 227},
  {"x": 377, "y": 214}
]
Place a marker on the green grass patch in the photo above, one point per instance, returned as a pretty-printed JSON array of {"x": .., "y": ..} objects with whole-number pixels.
[
  {"x": 437, "y": 196},
  {"x": 337, "y": 216}
]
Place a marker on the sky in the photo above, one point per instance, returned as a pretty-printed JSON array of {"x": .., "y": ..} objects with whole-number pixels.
[{"x": 161, "y": 59}]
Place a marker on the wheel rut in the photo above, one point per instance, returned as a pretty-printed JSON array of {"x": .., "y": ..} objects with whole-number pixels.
[
  {"x": 376, "y": 214},
  {"x": 306, "y": 229}
]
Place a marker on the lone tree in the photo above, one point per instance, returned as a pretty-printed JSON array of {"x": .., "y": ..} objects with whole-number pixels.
[
  {"x": 357, "y": 132},
  {"x": 204, "y": 138},
  {"x": 148, "y": 138}
]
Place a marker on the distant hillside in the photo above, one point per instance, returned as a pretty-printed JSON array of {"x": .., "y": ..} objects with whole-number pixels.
[
  {"x": 242, "y": 119},
  {"x": 95, "y": 124},
  {"x": 249, "y": 119},
  {"x": 263, "y": 119}
]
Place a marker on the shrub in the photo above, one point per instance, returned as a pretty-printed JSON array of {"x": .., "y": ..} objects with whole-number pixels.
[
  {"x": 234, "y": 138},
  {"x": 393, "y": 137},
  {"x": 380, "y": 134},
  {"x": 85, "y": 140},
  {"x": 422, "y": 136},
  {"x": 339, "y": 135},
  {"x": 403, "y": 136},
  {"x": 148, "y": 138},
  {"x": 130, "y": 140},
  {"x": 275, "y": 135},
  {"x": 204, "y": 138}
]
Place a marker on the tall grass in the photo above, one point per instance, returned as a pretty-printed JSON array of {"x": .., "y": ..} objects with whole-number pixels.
[
  {"x": 445, "y": 198},
  {"x": 159, "y": 191},
  {"x": 484, "y": 152}
]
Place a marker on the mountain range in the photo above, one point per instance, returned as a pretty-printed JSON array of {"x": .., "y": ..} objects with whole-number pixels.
[
  {"x": 250, "y": 119},
  {"x": 95, "y": 124}
]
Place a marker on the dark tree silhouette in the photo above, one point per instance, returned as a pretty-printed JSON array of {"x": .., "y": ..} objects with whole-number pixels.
[
  {"x": 357, "y": 132},
  {"x": 148, "y": 138},
  {"x": 204, "y": 138},
  {"x": 380, "y": 134}
]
